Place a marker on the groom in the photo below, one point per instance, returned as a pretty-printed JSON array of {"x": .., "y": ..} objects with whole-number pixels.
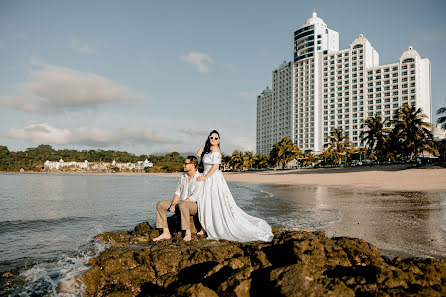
[{"x": 185, "y": 199}]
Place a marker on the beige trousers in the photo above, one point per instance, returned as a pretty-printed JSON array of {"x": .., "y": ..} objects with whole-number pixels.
[{"x": 186, "y": 208}]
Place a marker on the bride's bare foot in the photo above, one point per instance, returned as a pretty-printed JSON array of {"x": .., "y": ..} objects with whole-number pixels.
[
  {"x": 163, "y": 236},
  {"x": 188, "y": 235},
  {"x": 202, "y": 232}
]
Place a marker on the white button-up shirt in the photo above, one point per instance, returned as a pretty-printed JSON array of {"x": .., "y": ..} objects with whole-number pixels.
[{"x": 189, "y": 189}]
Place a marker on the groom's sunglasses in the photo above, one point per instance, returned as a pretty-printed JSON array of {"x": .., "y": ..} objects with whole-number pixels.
[
  {"x": 213, "y": 138},
  {"x": 186, "y": 164}
]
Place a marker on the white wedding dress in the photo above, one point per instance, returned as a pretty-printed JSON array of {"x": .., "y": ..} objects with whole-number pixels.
[{"x": 219, "y": 214}]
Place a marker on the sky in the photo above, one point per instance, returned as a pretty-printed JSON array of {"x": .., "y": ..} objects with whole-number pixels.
[{"x": 157, "y": 76}]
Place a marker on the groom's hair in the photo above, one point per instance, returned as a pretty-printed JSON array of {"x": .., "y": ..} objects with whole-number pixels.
[{"x": 193, "y": 160}]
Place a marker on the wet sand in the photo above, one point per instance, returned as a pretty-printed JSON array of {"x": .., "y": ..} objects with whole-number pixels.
[{"x": 397, "y": 223}]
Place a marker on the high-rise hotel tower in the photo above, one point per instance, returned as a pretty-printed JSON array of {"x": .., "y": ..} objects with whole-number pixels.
[{"x": 325, "y": 87}]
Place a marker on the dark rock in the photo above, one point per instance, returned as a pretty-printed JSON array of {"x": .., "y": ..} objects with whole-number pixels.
[
  {"x": 195, "y": 290},
  {"x": 295, "y": 263},
  {"x": 142, "y": 229}
]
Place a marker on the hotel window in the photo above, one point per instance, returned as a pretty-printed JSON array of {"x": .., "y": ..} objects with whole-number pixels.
[
  {"x": 412, "y": 72},
  {"x": 395, "y": 99},
  {"x": 394, "y": 68}
]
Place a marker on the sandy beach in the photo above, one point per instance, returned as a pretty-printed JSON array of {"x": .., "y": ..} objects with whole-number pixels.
[{"x": 385, "y": 178}]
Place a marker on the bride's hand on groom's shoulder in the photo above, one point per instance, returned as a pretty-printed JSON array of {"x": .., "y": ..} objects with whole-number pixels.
[{"x": 201, "y": 178}]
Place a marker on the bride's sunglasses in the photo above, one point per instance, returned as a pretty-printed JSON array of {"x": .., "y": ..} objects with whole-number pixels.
[{"x": 213, "y": 138}]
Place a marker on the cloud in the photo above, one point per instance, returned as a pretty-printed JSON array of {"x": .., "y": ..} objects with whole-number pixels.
[
  {"x": 51, "y": 88},
  {"x": 200, "y": 61},
  {"x": 244, "y": 144},
  {"x": 250, "y": 95},
  {"x": 98, "y": 137},
  {"x": 193, "y": 132},
  {"x": 2, "y": 45},
  {"x": 36, "y": 61},
  {"x": 231, "y": 68},
  {"x": 81, "y": 46},
  {"x": 431, "y": 34}
]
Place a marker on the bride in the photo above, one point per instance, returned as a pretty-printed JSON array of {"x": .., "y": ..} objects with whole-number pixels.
[{"x": 219, "y": 215}]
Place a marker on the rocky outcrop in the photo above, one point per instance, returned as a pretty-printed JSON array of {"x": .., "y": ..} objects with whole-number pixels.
[{"x": 295, "y": 263}]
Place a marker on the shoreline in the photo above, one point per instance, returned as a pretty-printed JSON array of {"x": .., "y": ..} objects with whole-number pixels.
[{"x": 402, "y": 178}]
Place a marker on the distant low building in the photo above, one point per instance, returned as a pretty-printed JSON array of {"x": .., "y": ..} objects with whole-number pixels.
[
  {"x": 96, "y": 166},
  {"x": 56, "y": 165},
  {"x": 140, "y": 165}
]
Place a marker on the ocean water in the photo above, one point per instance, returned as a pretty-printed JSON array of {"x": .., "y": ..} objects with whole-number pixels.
[{"x": 47, "y": 222}]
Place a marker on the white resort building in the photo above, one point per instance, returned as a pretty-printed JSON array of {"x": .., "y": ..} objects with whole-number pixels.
[{"x": 324, "y": 88}]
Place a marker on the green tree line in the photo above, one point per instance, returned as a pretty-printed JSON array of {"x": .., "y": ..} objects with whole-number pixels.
[{"x": 32, "y": 159}]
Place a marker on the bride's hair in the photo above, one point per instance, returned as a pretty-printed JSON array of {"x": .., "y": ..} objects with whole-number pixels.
[{"x": 207, "y": 145}]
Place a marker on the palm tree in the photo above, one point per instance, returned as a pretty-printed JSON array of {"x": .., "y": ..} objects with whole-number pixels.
[
  {"x": 375, "y": 136},
  {"x": 260, "y": 161},
  {"x": 284, "y": 151},
  {"x": 247, "y": 160},
  {"x": 411, "y": 129},
  {"x": 237, "y": 160},
  {"x": 442, "y": 120},
  {"x": 338, "y": 143}
]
